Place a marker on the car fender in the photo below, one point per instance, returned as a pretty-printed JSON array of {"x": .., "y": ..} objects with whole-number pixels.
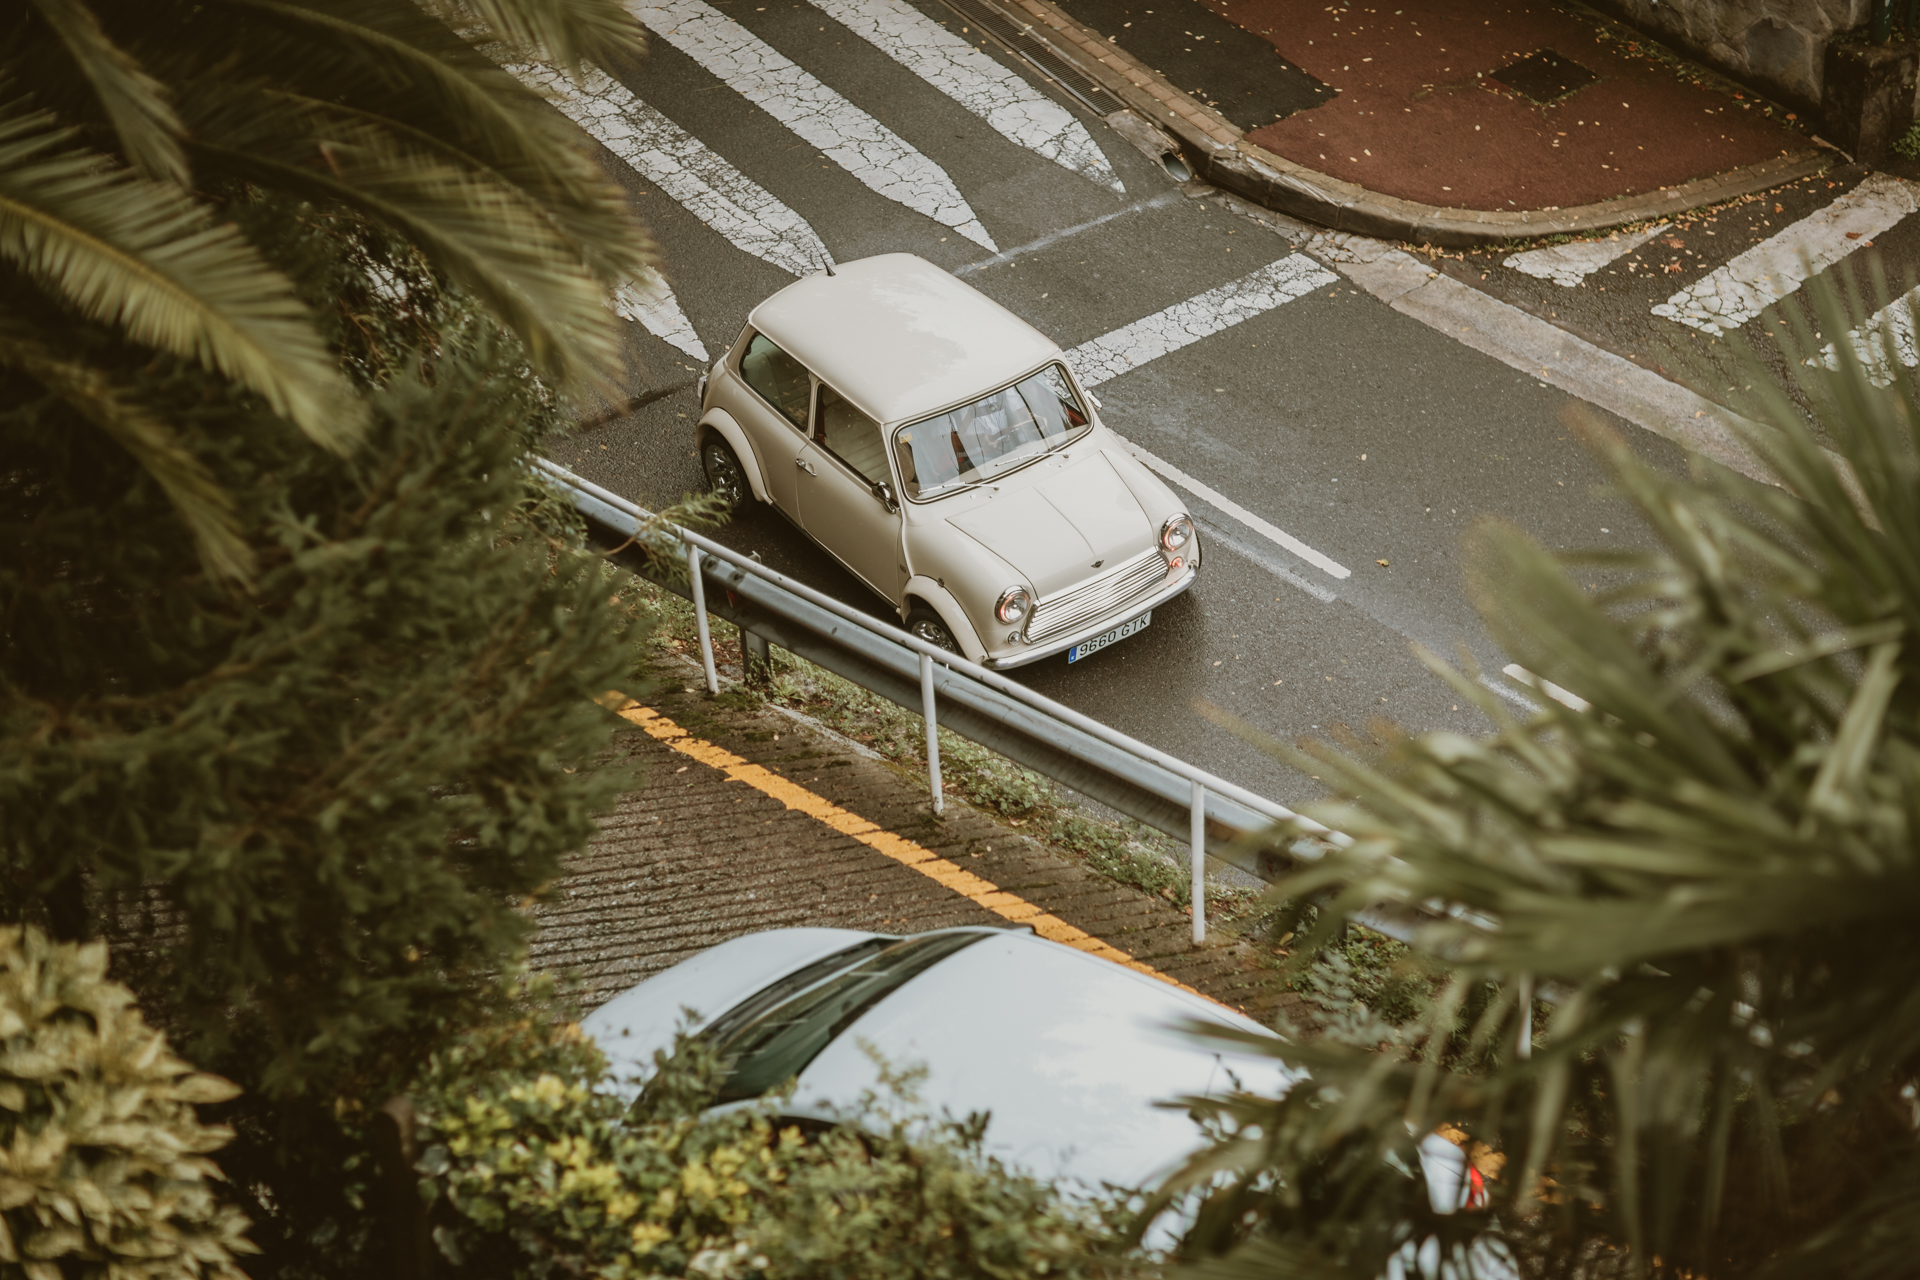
[
  {"x": 721, "y": 423},
  {"x": 941, "y": 601}
]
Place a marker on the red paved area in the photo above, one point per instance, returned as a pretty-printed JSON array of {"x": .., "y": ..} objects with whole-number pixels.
[{"x": 1415, "y": 119}]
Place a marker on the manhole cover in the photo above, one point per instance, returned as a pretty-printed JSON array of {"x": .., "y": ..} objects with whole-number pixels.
[{"x": 1544, "y": 76}]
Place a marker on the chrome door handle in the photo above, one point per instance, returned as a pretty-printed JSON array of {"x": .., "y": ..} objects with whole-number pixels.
[{"x": 805, "y": 466}]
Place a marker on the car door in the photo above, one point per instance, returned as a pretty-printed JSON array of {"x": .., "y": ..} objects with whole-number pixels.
[
  {"x": 777, "y": 416},
  {"x": 846, "y": 494}
]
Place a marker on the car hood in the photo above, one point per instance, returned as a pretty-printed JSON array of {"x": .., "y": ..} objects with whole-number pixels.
[{"x": 1058, "y": 527}]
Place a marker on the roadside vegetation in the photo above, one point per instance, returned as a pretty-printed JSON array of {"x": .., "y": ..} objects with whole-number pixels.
[{"x": 1711, "y": 870}]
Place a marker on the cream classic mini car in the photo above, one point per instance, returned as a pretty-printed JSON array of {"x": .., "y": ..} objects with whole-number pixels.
[{"x": 938, "y": 446}]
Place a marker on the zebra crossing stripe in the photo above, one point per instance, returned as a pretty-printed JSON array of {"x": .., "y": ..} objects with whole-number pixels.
[
  {"x": 682, "y": 167},
  {"x": 1893, "y": 321},
  {"x": 1016, "y": 110},
  {"x": 653, "y": 307},
  {"x": 868, "y": 150},
  {"x": 1568, "y": 264},
  {"x": 1751, "y": 282},
  {"x": 1185, "y": 323}
]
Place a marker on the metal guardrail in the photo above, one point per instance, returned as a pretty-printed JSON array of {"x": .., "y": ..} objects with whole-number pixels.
[{"x": 1163, "y": 791}]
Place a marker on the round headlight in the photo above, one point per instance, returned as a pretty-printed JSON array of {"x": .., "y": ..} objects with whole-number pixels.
[
  {"x": 1014, "y": 603},
  {"x": 1175, "y": 534}
]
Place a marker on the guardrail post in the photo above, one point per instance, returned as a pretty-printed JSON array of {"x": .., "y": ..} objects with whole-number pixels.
[
  {"x": 1523, "y": 1046},
  {"x": 756, "y": 656},
  {"x": 697, "y": 579},
  {"x": 1199, "y": 863},
  {"x": 933, "y": 732}
]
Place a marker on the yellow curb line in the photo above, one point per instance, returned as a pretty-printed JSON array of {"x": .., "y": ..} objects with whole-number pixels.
[{"x": 902, "y": 850}]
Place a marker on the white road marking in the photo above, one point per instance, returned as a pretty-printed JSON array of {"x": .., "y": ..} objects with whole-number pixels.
[
  {"x": 682, "y": 166},
  {"x": 1054, "y": 237},
  {"x": 1213, "y": 497},
  {"x": 851, "y": 138},
  {"x": 1776, "y": 267},
  {"x": 1019, "y": 112},
  {"x": 1869, "y": 341},
  {"x": 1184, "y": 323},
  {"x": 1521, "y": 675},
  {"x": 653, "y": 307},
  {"x": 1568, "y": 264}
]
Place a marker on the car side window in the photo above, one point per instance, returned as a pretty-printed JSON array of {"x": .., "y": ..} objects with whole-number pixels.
[
  {"x": 778, "y": 378},
  {"x": 852, "y": 437}
]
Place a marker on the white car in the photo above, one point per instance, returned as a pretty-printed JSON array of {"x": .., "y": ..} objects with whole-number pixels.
[
  {"x": 940, "y": 448},
  {"x": 1073, "y": 1056}
]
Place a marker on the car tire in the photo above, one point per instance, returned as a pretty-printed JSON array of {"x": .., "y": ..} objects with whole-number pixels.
[
  {"x": 924, "y": 624},
  {"x": 726, "y": 478}
]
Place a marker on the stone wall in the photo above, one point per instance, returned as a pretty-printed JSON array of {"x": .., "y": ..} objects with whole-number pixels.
[{"x": 1778, "y": 46}]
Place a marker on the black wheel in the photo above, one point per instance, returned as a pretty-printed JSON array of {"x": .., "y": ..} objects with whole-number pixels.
[
  {"x": 924, "y": 624},
  {"x": 726, "y": 478}
]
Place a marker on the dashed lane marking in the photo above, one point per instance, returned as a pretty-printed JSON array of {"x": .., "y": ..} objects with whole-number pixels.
[
  {"x": 1016, "y": 110},
  {"x": 683, "y": 167},
  {"x": 1893, "y": 321},
  {"x": 868, "y": 150},
  {"x": 1213, "y": 497},
  {"x": 902, "y": 850},
  {"x": 1753, "y": 281},
  {"x": 1160, "y": 201}
]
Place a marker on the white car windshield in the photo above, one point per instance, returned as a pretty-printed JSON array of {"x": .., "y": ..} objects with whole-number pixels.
[{"x": 974, "y": 442}]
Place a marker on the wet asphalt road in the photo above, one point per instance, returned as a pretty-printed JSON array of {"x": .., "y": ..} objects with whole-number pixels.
[{"x": 1354, "y": 428}]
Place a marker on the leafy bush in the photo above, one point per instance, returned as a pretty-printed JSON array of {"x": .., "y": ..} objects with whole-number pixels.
[
  {"x": 534, "y": 1164},
  {"x": 103, "y": 1168}
]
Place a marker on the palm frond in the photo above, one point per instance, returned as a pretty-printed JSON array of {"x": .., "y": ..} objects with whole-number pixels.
[
  {"x": 147, "y": 260},
  {"x": 565, "y": 33},
  {"x": 1717, "y": 863},
  {"x": 197, "y": 498},
  {"x": 398, "y": 69},
  {"x": 485, "y": 236},
  {"x": 134, "y": 102}
]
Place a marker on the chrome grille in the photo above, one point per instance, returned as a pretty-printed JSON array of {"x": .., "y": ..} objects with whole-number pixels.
[{"x": 1080, "y": 607}]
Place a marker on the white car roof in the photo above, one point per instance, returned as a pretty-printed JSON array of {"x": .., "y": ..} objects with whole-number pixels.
[
  {"x": 899, "y": 337},
  {"x": 1074, "y": 1056}
]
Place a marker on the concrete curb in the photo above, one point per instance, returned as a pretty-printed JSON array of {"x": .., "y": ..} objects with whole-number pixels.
[{"x": 1218, "y": 151}]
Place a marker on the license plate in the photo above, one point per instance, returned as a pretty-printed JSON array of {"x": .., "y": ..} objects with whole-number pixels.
[{"x": 1087, "y": 648}]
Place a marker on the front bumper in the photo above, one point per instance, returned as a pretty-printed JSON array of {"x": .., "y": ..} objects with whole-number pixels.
[{"x": 1021, "y": 655}]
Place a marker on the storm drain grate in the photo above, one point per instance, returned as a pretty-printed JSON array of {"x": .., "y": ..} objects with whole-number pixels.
[
  {"x": 1544, "y": 76},
  {"x": 1019, "y": 39}
]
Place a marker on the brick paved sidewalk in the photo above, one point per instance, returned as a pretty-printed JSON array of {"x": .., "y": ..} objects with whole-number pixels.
[{"x": 696, "y": 856}]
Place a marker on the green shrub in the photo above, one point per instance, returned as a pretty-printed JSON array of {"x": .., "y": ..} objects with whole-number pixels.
[
  {"x": 534, "y": 1165},
  {"x": 103, "y": 1168}
]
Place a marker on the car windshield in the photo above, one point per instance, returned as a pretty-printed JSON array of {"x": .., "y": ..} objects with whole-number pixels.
[
  {"x": 976, "y": 441},
  {"x": 765, "y": 1051}
]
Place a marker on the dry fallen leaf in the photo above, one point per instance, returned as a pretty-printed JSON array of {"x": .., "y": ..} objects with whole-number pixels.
[{"x": 1381, "y": 563}]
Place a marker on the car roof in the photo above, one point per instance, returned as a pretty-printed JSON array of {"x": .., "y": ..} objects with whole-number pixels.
[
  {"x": 899, "y": 337},
  {"x": 1072, "y": 1055}
]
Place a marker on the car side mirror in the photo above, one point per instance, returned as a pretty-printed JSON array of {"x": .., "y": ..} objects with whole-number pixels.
[{"x": 884, "y": 492}]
